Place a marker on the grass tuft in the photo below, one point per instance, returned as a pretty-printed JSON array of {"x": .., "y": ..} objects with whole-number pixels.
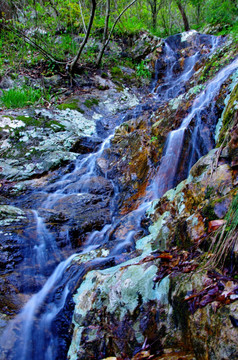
[
  {"x": 225, "y": 240},
  {"x": 22, "y": 97}
]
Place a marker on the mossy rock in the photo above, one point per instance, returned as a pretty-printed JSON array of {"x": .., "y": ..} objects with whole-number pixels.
[
  {"x": 229, "y": 114},
  {"x": 89, "y": 103},
  {"x": 29, "y": 121},
  {"x": 71, "y": 105}
]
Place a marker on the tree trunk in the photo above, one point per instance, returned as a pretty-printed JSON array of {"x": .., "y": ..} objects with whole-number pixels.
[
  {"x": 184, "y": 16},
  {"x": 154, "y": 11},
  {"x": 105, "y": 33},
  {"x": 109, "y": 36},
  {"x": 81, "y": 12},
  {"x": 75, "y": 60}
]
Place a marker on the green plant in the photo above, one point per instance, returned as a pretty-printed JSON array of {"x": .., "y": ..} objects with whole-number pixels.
[
  {"x": 153, "y": 138},
  {"x": 142, "y": 70},
  {"x": 116, "y": 72},
  {"x": 25, "y": 96}
]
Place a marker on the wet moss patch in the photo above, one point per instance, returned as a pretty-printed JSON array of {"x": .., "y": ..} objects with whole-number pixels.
[{"x": 72, "y": 106}]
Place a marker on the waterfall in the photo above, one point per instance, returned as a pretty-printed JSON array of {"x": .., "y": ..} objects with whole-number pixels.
[
  {"x": 167, "y": 176},
  {"x": 34, "y": 333}
]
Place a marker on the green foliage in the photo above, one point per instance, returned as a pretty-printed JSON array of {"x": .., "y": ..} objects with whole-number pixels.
[
  {"x": 153, "y": 139},
  {"x": 142, "y": 70},
  {"x": 220, "y": 12},
  {"x": 57, "y": 26},
  {"x": 21, "y": 97},
  {"x": 232, "y": 215},
  {"x": 130, "y": 25}
]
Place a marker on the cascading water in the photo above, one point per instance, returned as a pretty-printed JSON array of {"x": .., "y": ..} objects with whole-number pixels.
[
  {"x": 37, "y": 332},
  {"x": 168, "y": 174},
  {"x": 173, "y": 77}
]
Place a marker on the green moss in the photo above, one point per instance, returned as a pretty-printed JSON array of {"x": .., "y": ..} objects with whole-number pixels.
[
  {"x": 91, "y": 102},
  {"x": 116, "y": 72},
  {"x": 29, "y": 121},
  {"x": 208, "y": 212},
  {"x": 180, "y": 310},
  {"x": 119, "y": 88},
  {"x": 228, "y": 115},
  {"x": 72, "y": 106},
  {"x": 218, "y": 60},
  {"x": 181, "y": 237},
  {"x": 104, "y": 75},
  {"x": 198, "y": 170},
  {"x": 55, "y": 125},
  {"x": 209, "y": 192}
]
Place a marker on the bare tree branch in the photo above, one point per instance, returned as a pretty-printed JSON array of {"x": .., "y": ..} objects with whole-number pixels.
[
  {"x": 112, "y": 29},
  {"x": 21, "y": 34},
  {"x": 105, "y": 33},
  {"x": 81, "y": 11},
  {"x": 75, "y": 60}
]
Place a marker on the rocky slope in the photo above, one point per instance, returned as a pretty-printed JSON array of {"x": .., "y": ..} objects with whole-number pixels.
[
  {"x": 163, "y": 286},
  {"x": 176, "y": 299}
]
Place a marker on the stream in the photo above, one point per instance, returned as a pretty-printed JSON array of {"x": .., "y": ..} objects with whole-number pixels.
[{"x": 41, "y": 330}]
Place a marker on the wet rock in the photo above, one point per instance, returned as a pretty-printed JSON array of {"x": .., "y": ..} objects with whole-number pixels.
[
  {"x": 144, "y": 45},
  {"x": 86, "y": 145},
  {"x": 13, "y": 221},
  {"x": 103, "y": 84},
  {"x": 6, "y": 83},
  {"x": 53, "y": 135},
  {"x": 109, "y": 300},
  {"x": 158, "y": 315},
  {"x": 183, "y": 213},
  {"x": 127, "y": 325},
  {"x": 79, "y": 213},
  {"x": 97, "y": 185},
  {"x": 54, "y": 81},
  {"x": 10, "y": 214},
  {"x": 102, "y": 165}
]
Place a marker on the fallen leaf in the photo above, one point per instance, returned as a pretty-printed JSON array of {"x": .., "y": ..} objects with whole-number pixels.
[{"x": 215, "y": 224}]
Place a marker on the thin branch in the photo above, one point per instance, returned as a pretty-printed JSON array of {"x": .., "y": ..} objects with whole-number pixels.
[
  {"x": 21, "y": 34},
  {"x": 81, "y": 12},
  {"x": 54, "y": 8},
  {"x": 105, "y": 33},
  {"x": 118, "y": 18},
  {"x": 112, "y": 29},
  {"x": 75, "y": 60}
]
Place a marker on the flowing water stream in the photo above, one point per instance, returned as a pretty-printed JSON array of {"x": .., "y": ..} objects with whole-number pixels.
[{"x": 40, "y": 331}]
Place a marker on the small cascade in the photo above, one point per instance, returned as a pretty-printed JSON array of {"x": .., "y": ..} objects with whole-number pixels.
[
  {"x": 169, "y": 173},
  {"x": 171, "y": 89},
  {"x": 37, "y": 333},
  {"x": 26, "y": 346},
  {"x": 175, "y": 72}
]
